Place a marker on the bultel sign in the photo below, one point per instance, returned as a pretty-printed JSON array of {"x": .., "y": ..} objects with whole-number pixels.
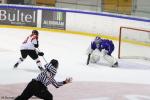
[{"x": 25, "y": 17}]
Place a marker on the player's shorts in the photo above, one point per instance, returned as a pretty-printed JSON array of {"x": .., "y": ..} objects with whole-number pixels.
[{"x": 31, "y": 53}]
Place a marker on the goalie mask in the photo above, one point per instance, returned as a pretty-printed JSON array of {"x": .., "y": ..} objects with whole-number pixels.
[
  {"x": 97, "y": 39},
  {"x": 54, "y": 62}
]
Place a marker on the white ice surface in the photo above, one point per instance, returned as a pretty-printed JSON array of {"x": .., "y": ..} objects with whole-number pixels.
[{"x": 70, "y": 50}]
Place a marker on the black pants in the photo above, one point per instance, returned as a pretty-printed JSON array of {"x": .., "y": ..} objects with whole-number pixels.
[
  {"x": 31, "y": 53},
  {"x": 37, "y": 89}
]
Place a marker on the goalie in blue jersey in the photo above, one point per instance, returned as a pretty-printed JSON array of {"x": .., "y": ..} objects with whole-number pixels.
[{"x": 101, "y": 48}]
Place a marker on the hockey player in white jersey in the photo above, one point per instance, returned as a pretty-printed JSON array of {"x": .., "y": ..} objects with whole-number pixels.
[
  {"x": 28, "y": 48},
  {"x": 101, "y": 48}
]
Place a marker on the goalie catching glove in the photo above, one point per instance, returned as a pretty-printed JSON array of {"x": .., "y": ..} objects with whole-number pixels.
[{"x": 40, "y": 53}]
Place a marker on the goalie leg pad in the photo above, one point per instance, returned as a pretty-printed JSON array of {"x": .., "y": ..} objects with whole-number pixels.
[
  {"x": 111, "y": 60},
  {"x": 95, "y": 56}
]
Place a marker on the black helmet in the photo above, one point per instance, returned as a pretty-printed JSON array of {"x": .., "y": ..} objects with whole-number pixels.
[
  {"x": 35, "y": 32},
  {"x": 54, "y": 62}
]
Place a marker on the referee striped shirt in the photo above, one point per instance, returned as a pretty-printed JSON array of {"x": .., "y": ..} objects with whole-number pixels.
[{"x": 46, "y": 77}]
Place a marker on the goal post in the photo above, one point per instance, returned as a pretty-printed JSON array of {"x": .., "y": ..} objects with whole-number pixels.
[{"x": 134, "y": 43}]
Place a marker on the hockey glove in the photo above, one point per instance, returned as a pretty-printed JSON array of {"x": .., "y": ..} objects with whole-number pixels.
[
  {"x": 40, "y": 53},
  {"x": 68, "y": 80}
]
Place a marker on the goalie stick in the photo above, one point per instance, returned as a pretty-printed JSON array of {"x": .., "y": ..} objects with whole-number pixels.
[{"x": 88, "y": 59}]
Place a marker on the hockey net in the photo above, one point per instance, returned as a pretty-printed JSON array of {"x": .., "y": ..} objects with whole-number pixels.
[{"x": 134, "y": 43}]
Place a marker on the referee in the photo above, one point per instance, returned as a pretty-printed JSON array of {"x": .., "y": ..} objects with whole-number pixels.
[{"x": 38, "y": 86}]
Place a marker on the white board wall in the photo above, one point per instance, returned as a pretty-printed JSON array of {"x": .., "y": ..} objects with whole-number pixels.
[{"x": 101, "y": 24}]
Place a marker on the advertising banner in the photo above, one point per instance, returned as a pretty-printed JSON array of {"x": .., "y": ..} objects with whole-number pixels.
[
  {"x": 16, "y": 16},
  {"x": 53, "y": 19}
]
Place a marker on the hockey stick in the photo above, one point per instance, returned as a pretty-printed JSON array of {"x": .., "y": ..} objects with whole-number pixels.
[
  {"x": 88, "y": 59},
  {"x": 44, "y": 59},
  {"x": 43, "y": 56}
]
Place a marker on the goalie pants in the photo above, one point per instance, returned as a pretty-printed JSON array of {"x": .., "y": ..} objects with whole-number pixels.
[
  {"x": 37, "y": 89},
  {"x": 31, "y": 53}
]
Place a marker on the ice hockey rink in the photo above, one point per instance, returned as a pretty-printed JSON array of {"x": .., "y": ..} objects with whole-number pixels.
[{"x": 130, "y": 81}]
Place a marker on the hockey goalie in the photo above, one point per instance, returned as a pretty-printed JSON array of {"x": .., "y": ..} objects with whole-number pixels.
[{"x": 101, "y": 48}]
